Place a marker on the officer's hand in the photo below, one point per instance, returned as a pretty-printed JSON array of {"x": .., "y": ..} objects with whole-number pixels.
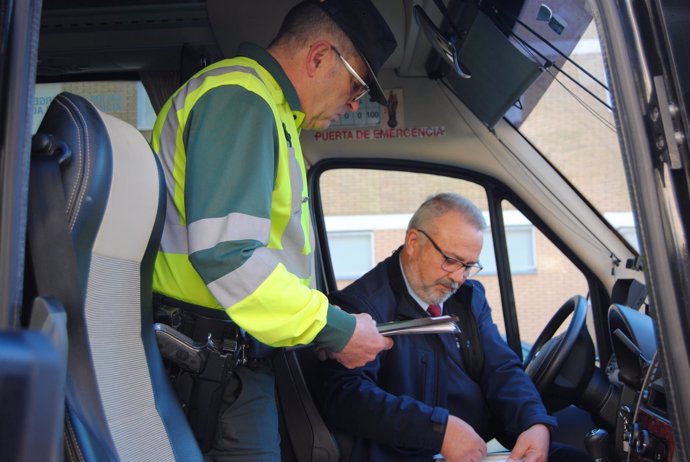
[
  {"x": 461, "y": 443},
  {"x": 364, "y": 345}
]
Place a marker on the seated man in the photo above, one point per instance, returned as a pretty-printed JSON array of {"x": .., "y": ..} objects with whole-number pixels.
[{"x": 436, "y": 393}]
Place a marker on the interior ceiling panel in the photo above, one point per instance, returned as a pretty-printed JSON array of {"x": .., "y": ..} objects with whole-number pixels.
[
  {"x": 114, "y": 36},
  {"x": 258, "y": 20},
  {"x": 129, "y": 37}
]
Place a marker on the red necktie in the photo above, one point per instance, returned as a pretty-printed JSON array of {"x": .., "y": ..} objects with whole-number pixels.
[{"x": 434, "y": 310}]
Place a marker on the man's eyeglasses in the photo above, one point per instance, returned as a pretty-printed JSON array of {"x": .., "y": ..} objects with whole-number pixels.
[
  {"x": 451, "y": 264},
  {"x": 359, "y": 86}
]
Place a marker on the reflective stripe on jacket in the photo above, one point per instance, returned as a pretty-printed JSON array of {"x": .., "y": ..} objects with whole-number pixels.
[{"x": 237, "y": 232}]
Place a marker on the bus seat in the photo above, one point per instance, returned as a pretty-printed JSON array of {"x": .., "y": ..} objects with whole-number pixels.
[{"x": 119, "y": 402}]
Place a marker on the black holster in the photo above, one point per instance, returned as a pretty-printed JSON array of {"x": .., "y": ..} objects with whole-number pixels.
[
  {"x": 201, "y": 391},
  {"x": 202, "y": 395}
]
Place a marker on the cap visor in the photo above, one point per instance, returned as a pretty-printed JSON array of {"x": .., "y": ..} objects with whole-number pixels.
[{"x": 375, "y": 91}]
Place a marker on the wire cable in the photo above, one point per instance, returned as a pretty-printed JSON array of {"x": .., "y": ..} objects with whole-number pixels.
[
  {"x": 586, "y": 106},
  {"x": 548, "y": 63},
  {"x": 547, "y": 43}
]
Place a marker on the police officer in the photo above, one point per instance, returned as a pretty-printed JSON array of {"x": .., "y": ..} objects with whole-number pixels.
[{"x": 237, "y": 242}]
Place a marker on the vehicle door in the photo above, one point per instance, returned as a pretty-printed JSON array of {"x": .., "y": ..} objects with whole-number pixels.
[{"x": 648, "y": 45}]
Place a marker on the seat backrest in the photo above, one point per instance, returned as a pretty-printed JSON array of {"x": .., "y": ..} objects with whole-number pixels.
[{"x": 119, "y": 402}]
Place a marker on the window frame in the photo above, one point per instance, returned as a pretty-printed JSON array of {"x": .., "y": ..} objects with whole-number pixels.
[{"x": 496, "y": 193}]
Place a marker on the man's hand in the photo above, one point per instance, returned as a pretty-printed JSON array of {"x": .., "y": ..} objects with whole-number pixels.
[
  {"x": 532, "y": 445},
  {"x": 461, "y": 443},
  {"x": 364, "y": 345}
]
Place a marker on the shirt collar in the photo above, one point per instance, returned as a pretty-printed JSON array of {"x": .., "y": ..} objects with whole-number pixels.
[
  {"x": 412, "y": 293},
  {"x": 268, "y": 62}
]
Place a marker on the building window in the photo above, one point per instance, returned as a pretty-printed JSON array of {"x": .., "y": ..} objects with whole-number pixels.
[
  {"x": 146, "y": 116},
  {"x": 520, "y": 240},
  {"x": 352, "y": 253},
  {"x": 125, "y": 100}
]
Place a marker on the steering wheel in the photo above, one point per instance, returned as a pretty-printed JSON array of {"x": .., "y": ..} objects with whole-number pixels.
[{"x": 547, "y": 357}]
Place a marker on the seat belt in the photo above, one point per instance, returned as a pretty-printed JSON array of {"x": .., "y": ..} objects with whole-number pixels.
[
  {"x": 54, "y": 260},
  {"x": 50, "y": 243}
]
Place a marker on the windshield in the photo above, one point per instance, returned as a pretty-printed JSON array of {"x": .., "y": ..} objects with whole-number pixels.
[{"x": 566, "y": 114}]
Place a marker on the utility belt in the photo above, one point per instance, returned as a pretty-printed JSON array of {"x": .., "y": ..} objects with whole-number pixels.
[
  {"x": 208, "y": 330},
  {"x": 202, "y": 347}
]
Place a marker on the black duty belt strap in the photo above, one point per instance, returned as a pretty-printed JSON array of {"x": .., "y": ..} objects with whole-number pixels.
[
  {"x": 54, "y": 264},
  {"x": 197, "y": 322}
]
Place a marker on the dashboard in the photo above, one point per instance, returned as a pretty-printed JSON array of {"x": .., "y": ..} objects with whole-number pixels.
[{"x": 643, "y": 428}]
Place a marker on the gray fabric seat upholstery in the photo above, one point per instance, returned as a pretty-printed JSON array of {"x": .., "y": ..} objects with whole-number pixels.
[{"x": 119, "y": 402}]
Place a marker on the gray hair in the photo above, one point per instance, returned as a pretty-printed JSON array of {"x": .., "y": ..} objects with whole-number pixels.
[{"x": 443, "y": 203}]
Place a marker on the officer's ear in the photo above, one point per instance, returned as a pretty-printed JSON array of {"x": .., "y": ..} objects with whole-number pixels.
[{"x": 319, "y": 56}]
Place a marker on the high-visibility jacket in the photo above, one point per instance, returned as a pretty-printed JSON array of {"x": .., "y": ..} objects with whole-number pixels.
[{"x": 237, "y": 233}]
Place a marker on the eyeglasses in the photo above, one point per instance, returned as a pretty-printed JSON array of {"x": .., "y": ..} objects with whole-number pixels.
[
  {"x": 359, "y": 86},
  {"x": 451, "y": 264}
]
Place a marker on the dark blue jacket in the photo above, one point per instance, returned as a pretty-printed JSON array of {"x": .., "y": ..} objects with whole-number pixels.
[{"x": 397, "y": 406}]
